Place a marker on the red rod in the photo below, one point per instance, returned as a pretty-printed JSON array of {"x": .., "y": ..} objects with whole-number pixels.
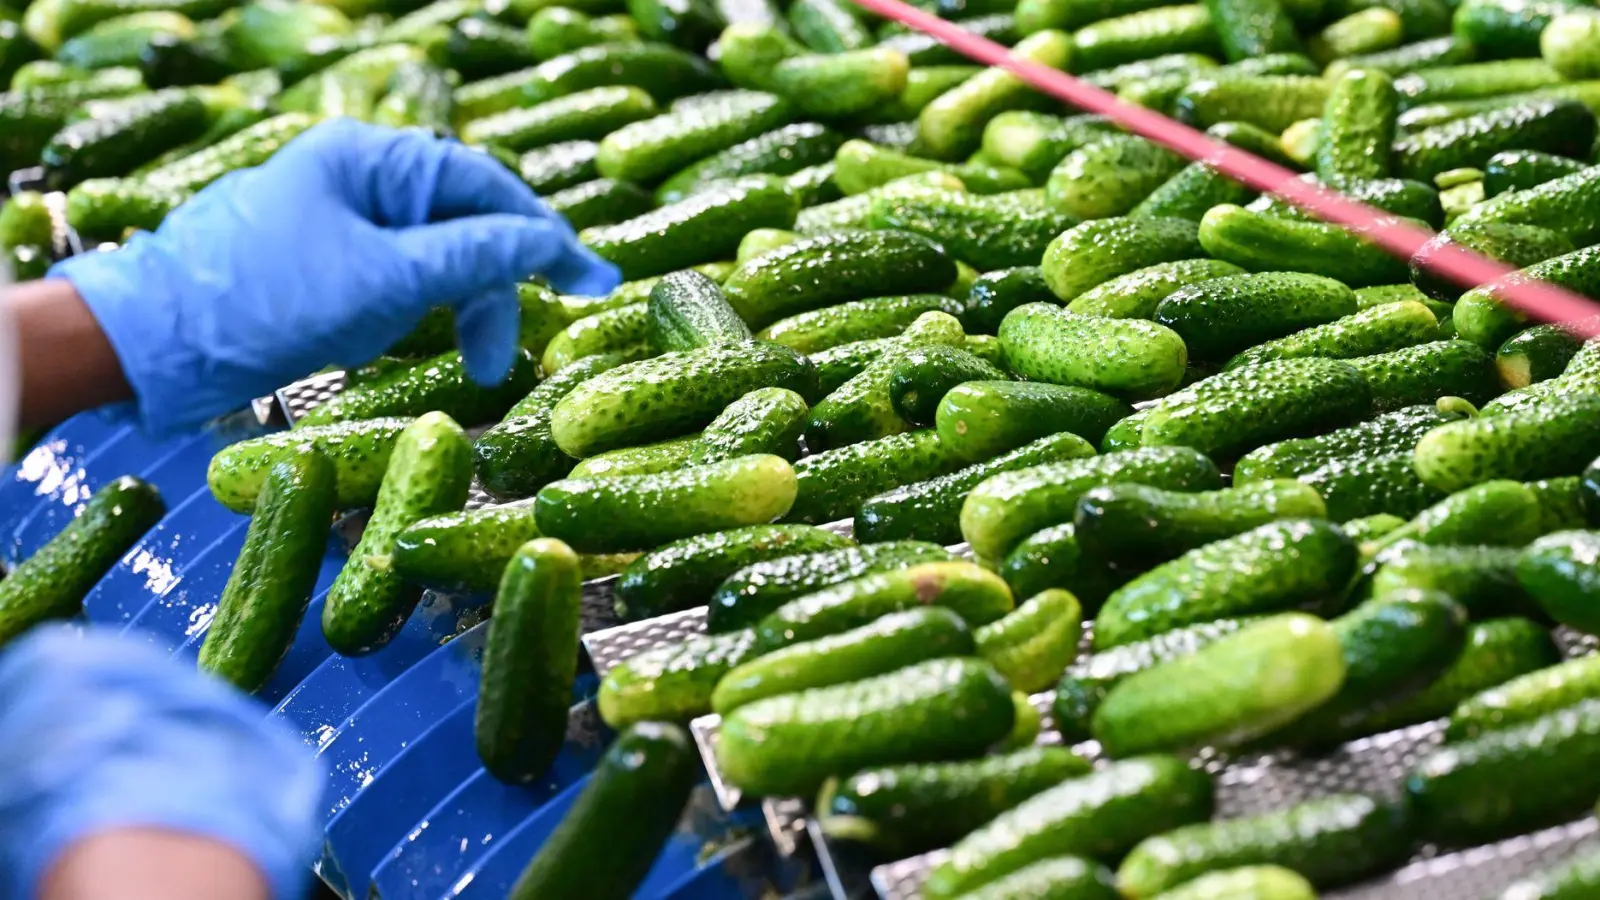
[{"x": 1538, "y": 299}]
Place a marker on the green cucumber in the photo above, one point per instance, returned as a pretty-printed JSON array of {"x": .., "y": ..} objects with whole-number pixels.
[
  {"x": 862, "y": 409},
  {"x": 1483, "y": 579},
  {"x": 248, "y": 147},
  {"x": 530, "y": 660},
  {"x": 1272, "y": 102},
  {"x": 359, "y": 451},
  {"x": 667, "y": 73},
  {"x": 1129, "y": 358},
  {"x": 993, "y": 294},
  {"x": 926, "y": 50},
  {"x": 1358, "y": 126},
  {"x": 1560, "y": 503},
  {"x": 1372, "y": 30},
  {"x": 1495, "y": 512},
  {"x": 766, "y": 420},
  {"x": 1245, "y": 883},
  {"x": 1034, "y": 142},
  {"x": 1249, "y": 29},
  {"x": 989, "y": 231},
  {"x": 123, "y": 135},
  {"x": 651, "y": 763},
  {"x": 911, "y": 808},
  {"x": 463, "y": 551},
  {"x": 1424, "y": 54},
  {"x": 1565, "y": 205},
  {"x": 1428, "y": 372},
  {"x": 1562, "y": 127},
  {"x": 646, "y": 459},
  {"x": 1110, "y": 176},
  {"x": 647, "y": 151},
  {"x": 1482, "y": 318},
  {"x": 1525, "y": 698},
  {"x": 952, "y": 125},
  {"x": 853, "y": 213},
  {"x": 684, "y": 573},
  {"x": 783, "y": 151},
  {"x": 1568, "y": 43},
  {"x": 828, "y": 26},
  {"x": 1330, "y": 841},
  {"x": 1472, "y": 81},
  {"x": 1396, "y": 195},
  {"x": 835, "y": 85},
  {"x": 920, "y": 379},
  {"x": 609, "y": 331},
  {"x": 599, "y": 202},
  {"x": 1188, "y": 194},
  {"x": 975, "y": 594},
  {"x": 1100, "y": 815},
  {"x": 1095, "y": 252},
  {"x": 555, "y": 30},
  {"x": 690, "y": 24},
  {"x": 980, "y": 420},
  {"x": 1559, "y": 572},
  {"x": 747, "y": 596},
  {"x": 672, "y": 683},
  {"x": 761, "y": 240},
  {"x": 1375, "y": 330},
  {"x": 1517, "y": 170},
  {"x": 429, "y": 472},
  {"x": 892, "y": 642},
  {"x": 1137, "y": 294},
  {"x": 1536, "y": 354},
  {"x": 1223, "y": 316},
  {"x": 856, "y": 320},
  {"x": 1148, "y": 33},
  {"x": 1506, "y": 28},
  {"x": 1551, "y": 439},
  {"x": 1034, "y": 644},
  {"x": 1391, "y": 432},
  {"x": 923, "y": 84},
  {"x": 440, "y": 384},
  {"x": 584, "y": 116},
  {"x": 1260, "y": 243},
  {"x": 556, "y": 167},
  {"x": 600, "y": 515},
  {"x": 518, "y": 456},
  {"x": 687, "y": 311},
  {"x": 705, "y": 227},
  {"x": 1140, "y": 525}
]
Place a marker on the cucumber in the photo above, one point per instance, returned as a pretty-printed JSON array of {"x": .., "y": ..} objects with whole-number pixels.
[
  {"x": 1391, "y": 432},
  {"x": 1484, "y": 789},
  {"x": 1359, "y": 126},
  {"x": 1095, "y": 252},
  {"x": 856, "y": 320},
  {"x": 931, "y": 510},
  {"x": 1230, "y": 414},
  {"x": 1368, "y": 31},
  {"x": 1330, "y": 841},
  {"x": 828, "y": 26},
  {"x": 910, "y": 808},
  {"x": 1536, "y": 354},
  {"x": 1396, "y": 195},
  {"x": 463, "y": 551},
  {"x": 260, "y": 608},
  {"x": 1100, "y": 815},
  {"x": 359, "y": 452},
  {"x": 1552, "y": 439},
  {"x": 586, "y": 115},
  {"x": 853, "y": 213},
  {"x": 122, "y": 136},
  {"x": 1220, "y": 317},
  {"x": 1473, "y": 81},
  {"x": 1485, "y": 320},
  {"x": 861, "y": 409},
  {"x": 923, "y": 84},
  {"x": 1249, "y": 29},
  {"x": 782, "y": 151},
  {"x": 892, "y": 642},
  {"x": 1483, "y": 579},
  {"x": 690, "y": 24},
  {"x": 1034, "y": 142},
  {"x": 648, "y": 459},
  {"x": 592, "y": 514},
  {"x": 747, "y": 596},
  {"x": 1128, "y": 358},
  {"x": 761, "y": 240},
  {"x": 979, "y": 420},
  {"x": 1560, "y": 503},
  {"x": 1034, "y": 644},
  {"x": 1564, "y": 205},
  {"x": 52, "y": 582},
  {"x": 1559, "y": 571},
  {"x": 690, "y": 388},
  {"x": 705, "y": 227},
  {"x": 530, "y": 661},
  {"x": 1562, "y": 127},
  {"x": 666, "y": 73},
  {"x": 555, "y": 30},
  {"x": 834, "y": 85},
  {"x": 1494, "y": 512},
  {"x": 248, "y": 147},
  {"x": 440, "y": 384},
  {"x": 1006, "y": 508},
  {"x": 419, "y": 96},
  {"x": 1260, "y": 242},
  {"x": 651, "y": 763},
  {"x": 1245, "y": 883},
  {"x": 122, "y": 41},
  {"x": 1428, "y": 372},
  {"x": 1036, "y": 15},
  {"x": 1524, "y": 699},
  {"x": 683, "y": 574},
  {"x": 790, "y": 744},
  {"x": 1139, "y": 525},
  {"x": 1506, "y": 28},
  {"x": 1085, "y": 685},
  {"x": 989, "y": 231},
  {"x": 1379, "y": 295},
  {"x": 975, "y": 594},
  {"x": 1142, "y": 35},
  {"x": 556, "y": 167},
  {"x": 519, "y": 456},
  {"x": 766, "y": 420},
  {"x": 821, "y": 271},
  {"x": 428, "y": 473},
  {"x": 599, "y": 202},
  {"x": 1194, "y": 189},
  {"x": 1423, "y": 54},
  {"x": 921, "y": 378},
  {"x": 1517, "y": 170},
  {"x": 1568, "y": 43},
  {"x": 1369, "y": 332},
  {"x": 687, "y": 311},
  {"x": 1118, "y": 77},
  {"x": 647, "y": 151},
  {"x": 1110, "y": 176},
  {"x": 926, "y": 50},
  {"x": 1589, "y": 492},
  {"x": 671, "y": 683},
  {"x": 952, "y": 126},
  {"x": 611, "y": 331},
  {"x": 1272, "y": 102},
  {"x": 1137, "y": 294}
]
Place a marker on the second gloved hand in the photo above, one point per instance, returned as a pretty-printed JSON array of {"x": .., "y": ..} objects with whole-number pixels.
[{"x": 328, "y": 254}]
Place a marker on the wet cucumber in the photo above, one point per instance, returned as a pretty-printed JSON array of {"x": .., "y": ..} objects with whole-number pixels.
[
  {"x": 1517, "y": 170},
  {"x": 1140, "y": 525},
  {"x": 836, "y": 85},
  {"x": 925, "y": 50},
  {"x": 463, "y": 551},
  {"x": 599, "y": 202},
  {"x": 1272, "y": 102},
  {"x": 791, "y": 744},
  {"x": 1245, "y": 883},
  {"x": 1129, "y": 358},
  {"x": 1288, "y": 564},
  {"x": 440, "y": 384},
  {"x": 931, "y": 510},
  {"x": 979, "y": 420},
  {"x": 1482, "y": 318},
  {"x": 687, "y": 311},
  {"x": 428, "y": 473},
  {"x": 122, "y": 136},
  {"x": 989, "y": 231},
  {"x": 1034, "y": 644},
  {"x": 1253, "y": 28},
  {"x": 1095, "y": 252},
  {"x": 530, "y": 660},
  {"x": 1568, "y": 43},
  {"x": 1481, "y": 578},
  {"x": 1551, "y": 439},
  {"x": 766, "y": 420},
  {"x": 892, "y": 642},
  {"x": 1142, "y": 35},
  {"x": 359, "y": 452},
  {"x": 1378, "y": 329},
  {"x": 1263, "y": 243},
  {"x": 651, "y": 763},
  {"x": 667, "y": 73},
  {"x": 1330, "y": 841},
  {"x": 1371, "y": 30},
  {"x": 555, "y": 30},
  {"x": 1188, "y": 194},
  {"x": 1358, "y": 126},
  {"x": 1518, "y": 245},
  {"x": 919, "y": 380},
  {"x": 584, "y": 116},
  {"x": 671, "y": 683},
  {"x": 1052, "y": 558},
  {"x": 748, "y": 595},
  {"x": 518, "y": 456},
  {"x": 1537, "y": 354},
  {"x": 862, "y": 408},
  {"x": 828, "y": 26},
  {"x": 1525, "y": 698},
  {"x": 1223, "y": 316},
  {"x": 1559, "y": 571},
  {"x": 1423, "y": 54},
  {"x": 690, "y": 389},
  {"x": 647, "y": 151},
  {"x": 1506, "y": 28},
  {"x": 975, "y": 594},
  {"x": 837, "y": 213},
  {"x": 1562, "y": 127},
  {"x": 856, "y": 320},
  {"x": 783, "y": 151},
  {"x": 683, "y": 574},
  {"x": 1396, "y": 195},
  {"x": 911, "y": 808},
  {"x": 609, "y": 331},
  {"x": 1110, "y": 176},
  {"x": 1391, "y": 432},
  {"x": 604, "y": 515},
  {"x": 1428, "y": 372},
  {"x": 1004, "y": 509},
  {"x": 1100, "y": 815},
  {"x": 1034, "y": 142},
  {"x": 1565, "y": 205},
  {"x": 1137, "y": 294},
  {"x": 1473, "y": 81},
  {"x": 699, "y": 229},
  {"x": 555, "y": 167},
  {"x": 952, "y": 125}
]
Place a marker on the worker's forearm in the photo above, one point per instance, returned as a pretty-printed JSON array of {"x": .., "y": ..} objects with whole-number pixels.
[
  {"x": 149, "y": 864},
  {"x": 68, "y": 365}
]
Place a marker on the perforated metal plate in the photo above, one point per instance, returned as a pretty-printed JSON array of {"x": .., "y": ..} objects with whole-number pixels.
[{"x": 309, "y": 393}]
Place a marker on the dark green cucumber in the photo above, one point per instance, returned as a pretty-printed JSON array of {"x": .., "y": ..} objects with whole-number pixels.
[
  {"x": 1562, "y": 127},
  {"x": 1524, "y": 699},
  {"x": 1358, "y": 126},
  {"x": 556, "y": 167},
  {"x": 555, "y": 30},
  {"x": 1423, "y": 54},
  {"x": 783, "y": 151},
  {"x": 1553, "y": 438},
  {"x": 1565, "y": 205},
  {"x": 1085, "y": 685},
  {"x": 862, "y": 409},
  {"x": 1412, "y": 199},
  {"x": 599, "y": 202},
  {"x": 518, "y": 456},
  {"x": 122, "y": 136},
  {"x": 1100, "y": 815},
  {"x": 892, "y": 642},
  {"x": 1378, "y": 329},
  {"x": 1035, "y": 643},
  {"x": 1129, "y": 358},
  {"x": 979, "y": 420},
  {"x": 51, "y": 583},
  {"x": 1232, "y": 413},
  {"x": 994, "y": 294},
  {"x": 651, "y": 763},
  {"x": 691, "y": 388},
  {"x": 687, "y": 312},
  {"x": 1482, "y": 578},
  {"x": 584, "y": 116},
  {"x": 791, "y": 744},
  {"x": 1188, "y": 194},
  {"x": 647, "y": 459},
  {"x": 923, "y": 376},
  {"x": 766, "y": 420},
  {"x": 1483, "y": 319},
  {"x": 1051, "y": 558},
  {"x": 482, "y": 48},
  {"x": 911, "y": 808},
  {"x": 440, "y": 384},
  {"x": 270, "y": 586},
  {"x": 856, "y": 320},
  {"x": 838, "y": 85},
  {"x": 1272, "y": 102},
  {"x": 1559, "y": 572},
  {"x": 530, "y": 660},
  {"x": 1110, "y": 176},
  {"x": 1506, "y": 28},
  {"x": 1095, "y": 252},
  {"x": 750, "y": 594},
  {"x": 1428, "y": 372},
  {"x": 667, "y": 73},
  {"x": 1471, "y": 81},
  {"x": 1517, "y": 170},
  {"x": 429, "y": 473},
  {"x": 1136, "y": 524},
  {"x": 821, "y": 271},
  {"x": 1253, "y": 28},
  {"x": 1137, "y": 294},
  {"x": 705, "y": 227},
  {"x": 1264, "y": 243},
  {"x": 671, "y": 683},
  {"x": 1220, "y": 317},
  {"x": 647, "y": 151},
  {"x": 359, "y": 451},
  {"x": 685, "y": 573},
  {"x": 1290, "y": 564},
  {"x": 1330, "y": 841},
  {"x": 989, "y": 231},
  {"x": 1537, "y": 354},
  {"x": 828, "y": 26}
]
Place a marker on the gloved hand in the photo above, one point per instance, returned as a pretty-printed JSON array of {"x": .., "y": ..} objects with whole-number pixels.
[
  {"x": 327, "y": 254},
  {"x": 99, "y": 732}
]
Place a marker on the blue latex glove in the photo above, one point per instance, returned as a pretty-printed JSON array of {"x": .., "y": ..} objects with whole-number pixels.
[
  {"x": 328, "y": 254},
  {"x": 98, "y": 732}
]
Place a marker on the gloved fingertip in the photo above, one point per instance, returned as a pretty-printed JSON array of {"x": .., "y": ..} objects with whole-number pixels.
[
  {"x": 487, "y": 329},
  {"x": 582, "y": 273}
]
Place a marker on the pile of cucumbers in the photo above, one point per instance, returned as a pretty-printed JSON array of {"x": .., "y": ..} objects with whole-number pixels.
[{"x": 1061, "y": 383}]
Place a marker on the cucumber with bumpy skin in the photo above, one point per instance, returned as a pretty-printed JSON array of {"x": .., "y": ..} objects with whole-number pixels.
[
  {"x": 1425, "y": 373},
  {"x": 1260, "y": 242},
  {"x": 1034, "y": 644},
  {"x": 1551, "y": 439},
  {"x": 1560, "y": 572},
  {"x": 1359, "y": 126},
  {"x": 359, "y": 452},
  {"x": 835, "y": 482},
  {"x": 1137, "y": 294},
  {"x": 702, "y": 228},
  {"x": 463, "y": 551},
  {"x": 440, "y": 384},
  {"x": 857, "y": 320},
  {"x": 647, "y": 151},
  {"x": 952, "y": 125},
  {"x": 989, "y": 231},
  {"x": 982, "y": 419},
  {"x": 684, "y": 573},
  {"x": 671, "y": 683},
  {"x": 836, "y": 85},
  {"x": 1525, "y": 698},
  {"x": 1095, "y": 252},
  {"x": 1378, "y": 329},
  {"x": 1110, "y": 176},
  {"x": 1137, "y": 524},
  {"x": 766, "y": 420},
  {"x": 783, "y": 151},
  {"x": 1537, "y": 354},
  {"x": 1220, "y": 317},
  {"x": 919, "y": 381},
  {"x": 1144, "y": 34},
  {"x": 687, "y": 311},
  {"x": 1129, "y": 358}
]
